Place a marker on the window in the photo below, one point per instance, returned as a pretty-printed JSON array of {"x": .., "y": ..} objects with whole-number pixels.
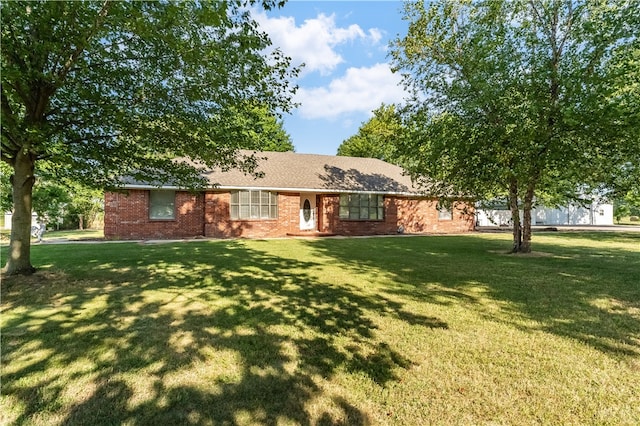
[
  {"x": 306, "y": 210},
  {"x": 162, "y": 205},
  {"x": 362, "y": 206},
  {"x": 254, "y": 205},
  {"x": 444, "y": 214}
]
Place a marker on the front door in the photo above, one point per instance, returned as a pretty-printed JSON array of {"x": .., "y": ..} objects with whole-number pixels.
[{"x": 307, "y": 212}]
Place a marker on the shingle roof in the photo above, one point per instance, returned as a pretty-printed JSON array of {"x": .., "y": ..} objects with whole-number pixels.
[
  {"x": 320, "y": 173},
  {"x": 308, "y": 172}
]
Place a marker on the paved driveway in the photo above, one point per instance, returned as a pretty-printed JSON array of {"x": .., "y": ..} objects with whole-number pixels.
[{"x": 567, "y": 228}]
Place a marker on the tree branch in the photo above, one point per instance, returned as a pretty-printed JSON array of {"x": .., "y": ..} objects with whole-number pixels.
[
  {"x": 7, "y": 112},
  {"x": 9, "y": 145},
  {"x": 62, "y": 74}
]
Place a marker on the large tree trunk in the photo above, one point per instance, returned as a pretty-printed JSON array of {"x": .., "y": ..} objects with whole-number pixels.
[
  {"x": 526, "y": 220},
  {"x": 19, "y": 259},
  {"x": 515, "y": 216}
]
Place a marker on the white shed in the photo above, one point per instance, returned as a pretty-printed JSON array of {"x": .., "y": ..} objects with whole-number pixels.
[{"x": 592, "y": 214}]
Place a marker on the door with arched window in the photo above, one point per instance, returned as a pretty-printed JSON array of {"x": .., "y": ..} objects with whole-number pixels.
[{"x": 307, "y": 212}]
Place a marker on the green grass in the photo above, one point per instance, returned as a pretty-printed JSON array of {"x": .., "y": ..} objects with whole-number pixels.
[
  {"x": 76, "y": 235},
  {"x": 393, "y": 330},
  {"x": 626, "y": 220},
  {"x": 50, "y": 236}
]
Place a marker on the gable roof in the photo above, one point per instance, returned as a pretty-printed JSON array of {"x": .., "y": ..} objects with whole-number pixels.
[{"x": 290, "y": 171}]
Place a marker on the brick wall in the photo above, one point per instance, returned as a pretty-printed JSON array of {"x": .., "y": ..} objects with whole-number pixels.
[
  {"x": 126, "y": 216},
  {"x": 329, "y": 208},
  {"x": 218, "y": 223},
  {"x": 414, "y": 215},
  {"x": 421, "y": 216}
]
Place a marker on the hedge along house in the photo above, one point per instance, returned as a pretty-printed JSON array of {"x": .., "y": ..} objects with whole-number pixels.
[{"x": 297, "y": 194}]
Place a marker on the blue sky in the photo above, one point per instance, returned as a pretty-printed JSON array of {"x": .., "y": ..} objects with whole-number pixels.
[{"x": 344, "y": 45}]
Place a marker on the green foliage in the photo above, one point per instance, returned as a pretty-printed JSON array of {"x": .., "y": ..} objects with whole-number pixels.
[
  {"x": 50, "y": 202},
  {"x": 621, "y": 210},
  {"x": 60, "y": 205},
  {"x": 521, "y": 98},
  {"x": 86, "y": 208},
  {"x": 628, "y": 205},
  {"x": 376, "y": 138},
  {"x": 6, "y": 200},
  {"x": 122, "y": 88},
  {"x": 93, "y": 91},
  {"x": 259, "y": 128},
  {"x": 57, "y": 203}
]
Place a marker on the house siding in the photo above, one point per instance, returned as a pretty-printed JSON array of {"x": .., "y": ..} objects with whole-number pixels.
[{"x": 208, "y": 214}]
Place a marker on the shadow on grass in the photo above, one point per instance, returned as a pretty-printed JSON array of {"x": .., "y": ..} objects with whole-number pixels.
[
  {"x": 226, "y": 333},
  {"x": 140, "y": 326},
  {"x": 571, "y": 287}
]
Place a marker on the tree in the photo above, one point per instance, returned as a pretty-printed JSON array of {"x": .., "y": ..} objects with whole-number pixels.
[
  {"x": 59, "y": 204},
  {"x": 259, "y": 128},
  {"x": 626, "y": 205},
  {"x": 96, "y": 90},
  {"x": 6, "y": 201},
  {"x": 50, "y": 203},
  {"x": 86, "y": 209},
  {"x": 520, "y": 98},
  {"x": 376, "y": 138}
]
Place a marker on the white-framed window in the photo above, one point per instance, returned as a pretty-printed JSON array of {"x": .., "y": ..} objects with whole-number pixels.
[
  {"x": 444, "y": 213},
  {"x": 162, "y": 205},
  {"x": 362, "y": 206},
  {"x": 247, "y": 204}
]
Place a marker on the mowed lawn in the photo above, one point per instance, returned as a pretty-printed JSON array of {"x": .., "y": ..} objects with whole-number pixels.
[{"x": 390, "y": 330}]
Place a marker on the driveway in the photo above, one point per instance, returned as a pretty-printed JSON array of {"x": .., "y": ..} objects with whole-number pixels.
[{"x": 567, "y": 228}]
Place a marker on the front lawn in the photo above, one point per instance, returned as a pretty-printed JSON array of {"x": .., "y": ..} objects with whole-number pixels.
[
  {"x": 53, "y": 236},
  {"x": 392, "y": 330}
]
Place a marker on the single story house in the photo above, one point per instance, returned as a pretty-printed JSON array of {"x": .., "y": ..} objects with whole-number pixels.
[{"x": 297, "y": 194}]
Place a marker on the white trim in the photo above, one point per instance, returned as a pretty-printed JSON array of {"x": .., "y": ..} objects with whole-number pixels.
[
  {"x": 153, "y": 187},
  {"x": 312, "y": 223}
]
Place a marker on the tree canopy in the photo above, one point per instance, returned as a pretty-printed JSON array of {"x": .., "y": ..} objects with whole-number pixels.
[
  {"x": 377, "y": 137},
  {"x": 96, "y": 90},
  {"x": 259, "y": 128},
  {"x": 521, "y": 98}
]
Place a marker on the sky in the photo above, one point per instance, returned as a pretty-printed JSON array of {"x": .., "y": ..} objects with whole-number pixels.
[{"x": 347, "y": 74}]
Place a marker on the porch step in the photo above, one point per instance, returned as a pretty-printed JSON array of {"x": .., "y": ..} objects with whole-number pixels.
[{"x": 310, "y": 234}]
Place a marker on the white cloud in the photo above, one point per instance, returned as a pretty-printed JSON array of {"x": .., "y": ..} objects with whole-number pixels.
[
  {"x": 375, "y": 35},
  {"x": 360, "y": 90},
  {"x": 314, "y": 41}
]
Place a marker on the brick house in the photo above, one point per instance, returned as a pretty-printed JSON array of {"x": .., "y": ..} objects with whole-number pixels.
[{"x": 298, "y": 194}]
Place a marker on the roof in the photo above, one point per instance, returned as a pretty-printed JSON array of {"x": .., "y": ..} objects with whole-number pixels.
[{"x": 285, "y": 171}]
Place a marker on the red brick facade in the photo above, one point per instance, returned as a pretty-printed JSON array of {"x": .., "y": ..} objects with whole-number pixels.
[
  {"x": 208, "y": 215},
  {"x": 127, "y": 216},
  {"x": 413, "y": 215},
  {"x": 218, "y": 222}
]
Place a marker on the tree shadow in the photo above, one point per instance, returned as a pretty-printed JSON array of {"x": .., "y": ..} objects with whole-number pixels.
[
  {"x": 584, "y": 292},
  {"x": 129, "y": 336},
  {"x": 354, "y": 180},
  {"x": 136, "y": 340}
]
